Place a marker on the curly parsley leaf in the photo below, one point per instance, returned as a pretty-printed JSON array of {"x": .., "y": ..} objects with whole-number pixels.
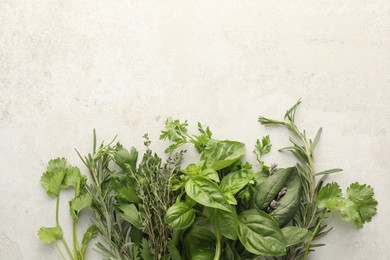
[
  {"x": 262, "y": 147},
  {"x": 176, "y": 132}
]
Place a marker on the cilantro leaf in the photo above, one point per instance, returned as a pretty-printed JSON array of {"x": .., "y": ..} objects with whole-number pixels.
[
  {"x": 364, "y": 202},
  {"x": 56, "y": 165},
  {"x": 50, "y": 234},
  {"x": 349, "y": 211},
  {"x": 360, "y": 206},
  {"x": 73, "y": 178},
  {"x": 52, "y": 181},
  {"x": 79, "y": 203},
  {"x": 330, "y": 197}
]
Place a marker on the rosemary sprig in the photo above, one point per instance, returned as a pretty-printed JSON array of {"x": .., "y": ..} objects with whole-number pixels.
[
  {"x": 308, "y": 216},
  {"x": 114, "y": 231}
]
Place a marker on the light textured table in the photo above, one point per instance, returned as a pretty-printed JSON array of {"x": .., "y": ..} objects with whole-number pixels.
[{"x": 122, "y": 67}]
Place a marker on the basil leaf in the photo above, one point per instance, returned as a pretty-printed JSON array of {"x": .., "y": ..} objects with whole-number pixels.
[
  {"x": 221, "y": 154},
  {"x": 225, "y": 222},
  {"x": 179, "y": 216},
  {"x": 207, "y": 193},
  {"x": 197, "y": 240},
  {"x": 235, "y": 181},
  {"x": 260, "y": 234}
]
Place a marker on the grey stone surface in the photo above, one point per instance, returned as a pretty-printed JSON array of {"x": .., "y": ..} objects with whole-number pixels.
[{"x": 122, "y": 67}]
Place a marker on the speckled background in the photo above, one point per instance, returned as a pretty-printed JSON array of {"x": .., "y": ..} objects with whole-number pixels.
[{"x": 122, "y": 67}]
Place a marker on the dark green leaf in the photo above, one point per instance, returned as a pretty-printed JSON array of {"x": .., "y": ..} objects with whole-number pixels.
[
  {"x": 225, "y": 222},
  {"x": 269, "y": 189},
  {"x": 198, "y": 240},
  {"x": 260, "y": 234},
  {"x": 295, "y": 235}
]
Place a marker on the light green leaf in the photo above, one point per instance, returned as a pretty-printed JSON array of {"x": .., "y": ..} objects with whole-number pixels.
[
  {"x": 50, "y": 234},
  {"x": 235, "y": 181},
  {"x": 51, "y": 181},
  {"x": 79, "y": 203},
  {"x": 330, "y": 197},
  {"x": 230, "y": 198},
  {"x": 221, "y": 154},
  {"x": 72, "y": 177},
  {"x": 179, "y": 216},
  {"x": 56, "y": 165},
  {"x": 365, "y": 203},
  {"x": 193, "y": 168},
  {"x": 88, "y": 235},
  {"x": 210, "y": 174},
  {"x": 207, "y": 193}
]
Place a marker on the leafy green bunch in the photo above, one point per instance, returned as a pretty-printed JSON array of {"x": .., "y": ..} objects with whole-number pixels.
[
  {"x": 218, "y": 207},
  {"x": 316, "y": 200},
  {"x": 59, "y": 176},
  {"x": 226, "y": 210}
]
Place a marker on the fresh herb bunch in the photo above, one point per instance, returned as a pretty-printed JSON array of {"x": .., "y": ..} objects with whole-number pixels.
[
  {"x": 270, "y": 213},
  {"x": 316, "y": 200},
  {"x": 144, "y": 194},
  {"x": 59, "y": 176},
  {"x": 218, "y": 207},
  {"x": 117, "y": 243}
]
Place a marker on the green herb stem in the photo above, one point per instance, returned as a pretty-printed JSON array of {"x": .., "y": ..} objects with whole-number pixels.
[
  {"x": 75, "y": 242},
  {"x": 217, "y": 255},
  {"x": 57, "y": 209},
  {"x": 314, "y": 233},
  {"x": 67, "y": 248},
  {"x": 59, "y": 250}
]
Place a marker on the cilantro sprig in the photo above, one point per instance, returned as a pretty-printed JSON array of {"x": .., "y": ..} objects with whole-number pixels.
[{"x": 58, "y": 176}]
